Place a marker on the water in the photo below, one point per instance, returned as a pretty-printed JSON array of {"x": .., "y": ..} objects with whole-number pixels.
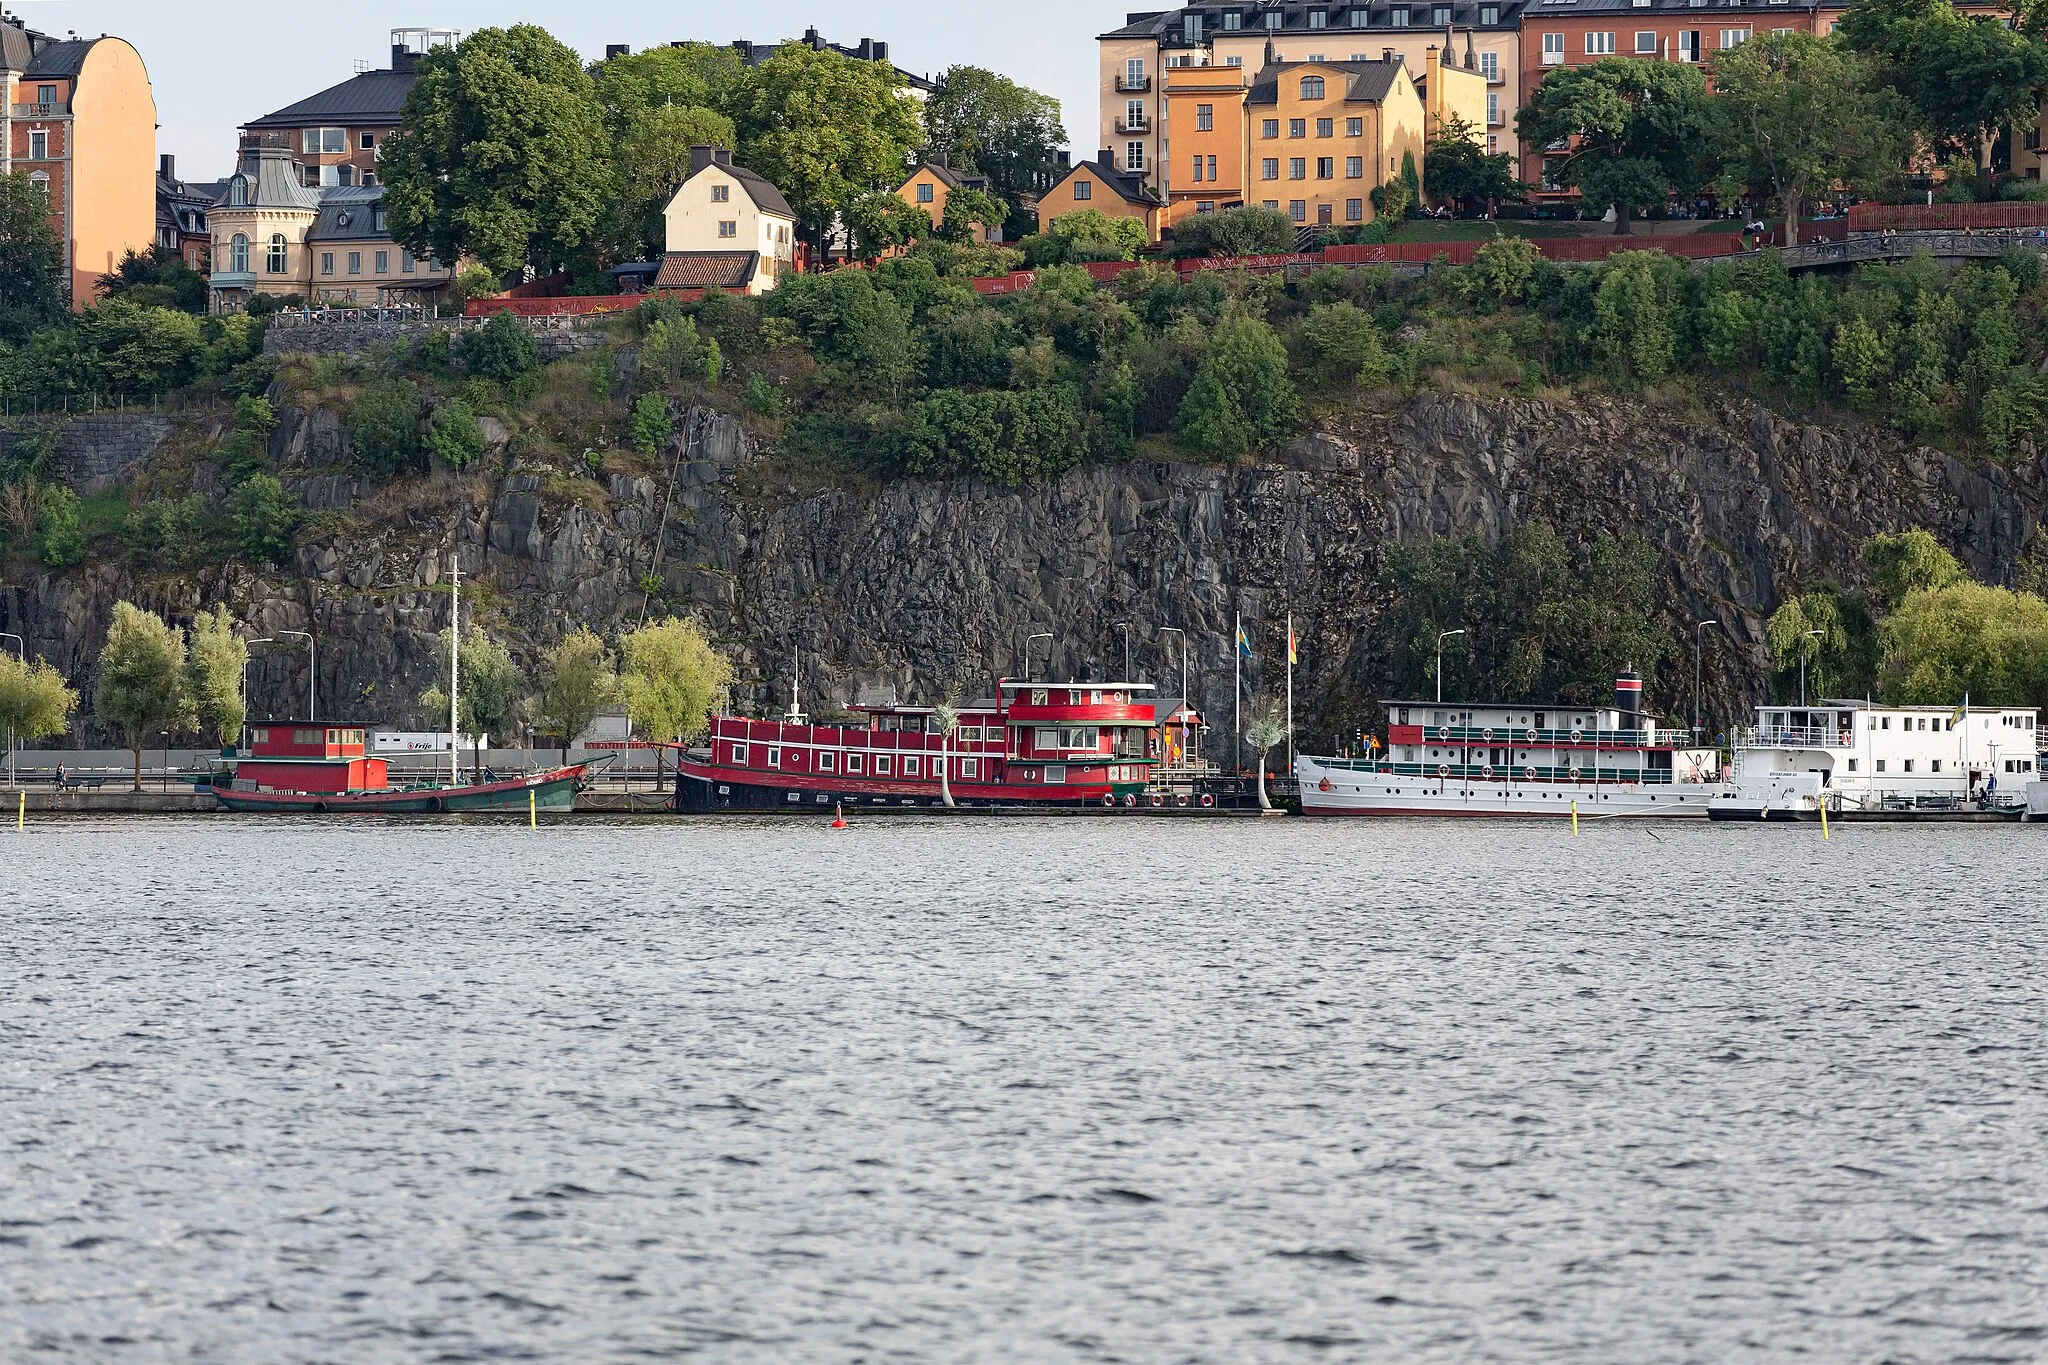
[{"x": 1085, "y": 1089}]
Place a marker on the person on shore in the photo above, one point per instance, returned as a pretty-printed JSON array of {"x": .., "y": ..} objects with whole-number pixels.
[{"x": 60, "y": 774}]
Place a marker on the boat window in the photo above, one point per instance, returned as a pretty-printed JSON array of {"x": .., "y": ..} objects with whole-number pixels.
[
  {"x": 1045, "y": 741},
  {"x": 910, "y": 767},
  {"x": 1880, "y": 765},
  {"x": 1079, "y": 737},
  {"x": 1039, "y": 696},
  {"x": 1934, "y": 766},
  {"x": 1074, "y": 696},
  {"x": 774, "y": 757},
  {"x": 739, "y": 753},
  {"x": 882, "y": 765},
  {"x": 1909, "y": 765},
  {"x": 968, "y": 766},
  {"x": 827, "y": 761},
  {"x": 259, "y": 737},
  {"x": 1886, "y": 726},
  {"x": 854, "y": 762},
  {"x": 1055, "y": 773},
  {"x": 1852, "y": 765}
]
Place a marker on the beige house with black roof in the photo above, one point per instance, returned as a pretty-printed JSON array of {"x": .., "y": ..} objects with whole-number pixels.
[{"x": 726, "y": 228}]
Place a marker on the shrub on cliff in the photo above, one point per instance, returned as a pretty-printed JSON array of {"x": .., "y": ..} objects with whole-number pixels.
[
  {"x": 60, "y": 540},
  {"x": 1241, "y": 399},
  {"x": 262, "y": 519},
  {"x": 502, "y": 349},
  {"x": 384, "y": 426},
  {"x": 453, "y": 436}
]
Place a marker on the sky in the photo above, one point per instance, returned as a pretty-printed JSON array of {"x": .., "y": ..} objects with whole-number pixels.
[{"x": 211, "y": 72}]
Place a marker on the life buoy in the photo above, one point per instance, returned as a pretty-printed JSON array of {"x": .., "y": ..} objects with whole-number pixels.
[
  {"x": 1325, "y": 785},
  {"x": 1487, "y": 733},
  {"x": 1575, "y": 772},
  {"x": 1208, "y": 799},
  {"x": 434, "y": 804},
  {"x": 1180, "y": 800},
  {"x": 1443, "y": 770},
  {"x": 1529, "y": 773},
  {"x": 1109, "y": 803},
  {"x": 1157, "y": 799},
  {"x": 320, "y": 808},
  {"x": 1486, "y": 770},
  {"x": 1444, "y": 733},
  {"x": 1578, "y": 735},
  {"x": 1129, "y": 800},
  {"x": 1529, "y": 735}
]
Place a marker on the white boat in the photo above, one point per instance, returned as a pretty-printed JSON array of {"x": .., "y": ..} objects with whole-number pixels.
[
  {"x": 1523, "y": 760},
  {"x": 1872, "y": 762}
]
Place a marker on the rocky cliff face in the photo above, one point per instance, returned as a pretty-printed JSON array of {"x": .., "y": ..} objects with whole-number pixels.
[{"x": 924, "y": 588}]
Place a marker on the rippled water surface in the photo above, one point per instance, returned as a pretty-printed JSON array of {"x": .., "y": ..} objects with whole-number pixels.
[{"x": 1080, "y": 1089}]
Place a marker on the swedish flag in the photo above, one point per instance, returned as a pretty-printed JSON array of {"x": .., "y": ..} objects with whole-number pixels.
[{"x": 1244, "y": 646}]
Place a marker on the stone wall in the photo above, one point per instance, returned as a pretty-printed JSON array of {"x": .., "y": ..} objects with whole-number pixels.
[
  {"x": 336, "y": 335},
  {"x": 96, "y": 449}
]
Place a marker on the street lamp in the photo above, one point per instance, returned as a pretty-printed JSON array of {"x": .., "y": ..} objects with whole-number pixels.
[
  {"x": 1698, "y": 626},
  {"x": 1125, "y": 627},
  {"x": 312, "y": 671},
  {"x": 1044, "y": 635},
  {"x": 1183, "y": 657},
  {"x": 21, "y": 656},
  {"x": 1441, "y": 637},
  {"x": 1811, "y": 635}
]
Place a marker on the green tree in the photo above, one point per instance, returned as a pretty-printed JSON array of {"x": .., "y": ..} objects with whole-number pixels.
[
  {"x": 35, "y": 703},
  {"x": 1265, "y": 730},
  {"x": 1638, "y": 308},
  {"x": 967, "y": 209},
  {"x": 1964, "y": 640},
  {"x": 155, "y": 278},
  {"x": 825, "y": 129},
  {"x": 502, "y": 349},
  {"x": 33, "y": 290},
  {"x": 1502, "y": 271},
  {"x": 670, "y": 678},
  {"x": 579, "y": 680},
  {"x": 1242, "y": 231},
  {"x": 657, "y": 105},
  {"x": 1086, "y": 235},
  {"x": 1345, "y": 344},
  {"x": 140, "y": 350},
  {"x": 1458, "y": 169},
  {"x": 1910, "y": 562},
  {"x": 651, "y": 424},
  {"x": 882, "y": 222},
  {"x": 862, "y": 331},
  {"x": 453, "y": 435},
  {"x": 384, "y": 427},
  {"x": 141, "y": 688},
  {"x": 1807, "y": 641},
  {"x": 215, "y": 657},
  {"x": 262, "y": 518},
  {"x": 492, "y": 688},
  {"x": 500, "y": 153},
  {"x": 984, "y": 122},
  {"x": 1633, "y": 129},
  {"x": 1794, "y": 115},
  {"x": 61, "y": 539},
  {"x": 1241, "y": 400}
]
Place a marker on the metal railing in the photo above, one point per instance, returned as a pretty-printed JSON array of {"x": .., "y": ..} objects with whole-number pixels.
[
  {"x": 1478, "y": 736},
  {"x": 1126, "y": 86},
  {"x": 1794, "y": 737},
  {"x": 1140, "y": 125}
]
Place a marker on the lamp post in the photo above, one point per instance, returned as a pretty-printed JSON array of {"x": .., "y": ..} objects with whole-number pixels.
[
  {"x": 1125, "y": 627},
  {"x": 312, "y": 672},
  {"x": 1811, "y": 635},
  {"x": 1442, "y": 636},
  {"x": 246, "y": 660},
  {"x": 1044, "y": 635},
  {"x": 164, "y": 782},
  {"x": 1183, "y": 657},
  {"x": 21, "y": 656},
  {"x": 1698, "y": 627}
]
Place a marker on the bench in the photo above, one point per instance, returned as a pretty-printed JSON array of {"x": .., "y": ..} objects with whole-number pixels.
[{"x": 72, "y": 784}]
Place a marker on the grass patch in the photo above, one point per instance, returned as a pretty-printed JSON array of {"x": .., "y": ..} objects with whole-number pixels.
[
  {"x": 1479, "y": 230},
  {"x": 103, "y": 513}
]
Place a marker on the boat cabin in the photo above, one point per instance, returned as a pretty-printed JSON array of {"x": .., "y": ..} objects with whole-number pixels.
[
  {"x": 309, "y": 756},
  {"x": 1916, "y": 755}
]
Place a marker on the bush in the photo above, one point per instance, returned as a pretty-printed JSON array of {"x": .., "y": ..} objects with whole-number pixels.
[
  {"x": 384, "y": 425},
  {"x": 1006, "y": 438},
  {"x": 1241, "y": 399},
  {"x": 432, "y": 353},
  {"x": 1241, "y": 231},
  {"x": 763, "y": 397},
  {"x": 652, "y": 425},
  {"x": 263, "y": 305},
  {"x": 60, "y": 540},
  {"x": 501, "y": 349},
  {"x": 1345, "y": 345},
  {"x": 178, "y": 533},
  {"x": 731, "y": 320},
  {"x": 261, "y": 520},
  {"x": 477, "y": 282},
  {"x": 453, "y": 436}
]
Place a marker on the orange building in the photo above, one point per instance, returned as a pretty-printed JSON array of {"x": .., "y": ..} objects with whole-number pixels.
[
  {"x": 933, "y": 183},
  {"x": 1101, "y": 186},
  {"x": 79, "y": 118},
  {"x": 1324, "y": 135},
  {"x": 1202, "y": 138}
]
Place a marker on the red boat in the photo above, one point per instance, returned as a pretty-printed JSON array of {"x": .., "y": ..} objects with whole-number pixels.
[
  {"x": 321, "y": 768},
  {"x": 1042, "y": 745}
]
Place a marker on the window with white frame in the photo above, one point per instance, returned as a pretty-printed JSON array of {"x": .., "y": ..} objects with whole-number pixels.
[
  {"x": 1553, "y": 48},
  {"x": 1272, "y": 18},
  {"x": 1397, "y": 18},
  {"x": 1318, "y": 18},
  {"x": 1134, "y": 114},
  {"x": 970, "y": 767},
  {"x": 1599, "y": 44},
  {"x": 317, "y": 141},
  {"x": 737, "y": 753},
  {"x": 238, "y": 250},
  {"x": 1134, "y": 72},
  {"x": 1492, "y": 108},
  {"x": 827, "y": 761},
  {"x": 38, "y": 145},
  {"x": 1489, "y": 65},
  {"x": 1646, "y": 42},
  {"x": 1733, "y": 37},
  {"x": 1205, "y": 118},
  {"x": 855, "y": 762},
  {"x": 1232, "y": 21},
  {"x": 1134, "y": 156},
  {"x": 774, "y": 756},
  {"x": 276, "y": 263},
  {"x": 911, "y": 766},
  {"x": 883, "y": 764}
]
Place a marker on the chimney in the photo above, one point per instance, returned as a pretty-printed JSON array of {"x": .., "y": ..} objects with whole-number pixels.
[
  {"x": 1107, "y": 158},
  {"x": 881, "y": 52},
  {"x": 721, "y": 156},
  {"x": 1471, "y": 62},
  {"x": 1628, "y": 698},
  {"x": 1269, "y": 52},
  {"x": 866, "y": 50},
  {"x": 812, "y": 40},
  {"x": 700, "y": 157},
  {"x": 403, "y": 58},
  {"x": 612, "y": 50},
  {"x": 167, "y": 166},
  {"x": 740, "y": 45},
  {"x": 1386, "y": 54},
  {"x": 939, "y": 159}
]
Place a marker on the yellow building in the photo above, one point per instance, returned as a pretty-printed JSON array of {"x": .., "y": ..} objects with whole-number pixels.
[
  {"x": 727, "y": 228},
  {"x": 79, "y": 118},
  {"x": 1321, "y": 136},
  {"x": 1203, "y": 109},
  {"x": 933, "y": 183},
  {"x": 1099, "y": 185}
]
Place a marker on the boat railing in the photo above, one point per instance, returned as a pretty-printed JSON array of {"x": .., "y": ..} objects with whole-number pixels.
[
  {"x": 1506, "y": 772},
  {"x": 1794, "y": 737},
  {"x": 1474, "y": 736}
]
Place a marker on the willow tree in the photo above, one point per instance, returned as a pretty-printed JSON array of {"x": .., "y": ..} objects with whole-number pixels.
[
  {"x": 35, "y": 703},
  {"x": 579, "y": 680},
  {"x": 141, "y": 688},
  {"x": 215, "y": 658},
  {"x": 672, "y": 674},
  {"x": 492, "y": 688}
]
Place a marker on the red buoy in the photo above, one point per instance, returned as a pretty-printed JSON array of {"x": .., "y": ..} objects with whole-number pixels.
[{"x": 838, "y": 817}]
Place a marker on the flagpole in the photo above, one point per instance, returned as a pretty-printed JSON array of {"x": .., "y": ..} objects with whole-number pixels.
[{"x": 1237, "y": 696}]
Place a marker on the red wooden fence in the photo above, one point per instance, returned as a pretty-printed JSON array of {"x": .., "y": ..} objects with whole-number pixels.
[{"x": 1944, "y": 217}]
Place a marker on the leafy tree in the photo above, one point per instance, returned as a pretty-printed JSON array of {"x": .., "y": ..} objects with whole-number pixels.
[
  {"x": 1004, "y": 437},
  {"x": 1458, "y": 169},
  {"x": 580, "y": 681},
  {"x": 61, "y": 539},
  {"x": 1264, "y": 731},
  {"x": 476, "y": 282},
  {"x": 215, "y": 657},
  {"x": 1241, "y": 400},
  {"x": 141, "y": 687},
  {"x": 882, "y": 222},
  {"x": 862, "y": 331},
  {"x": 671, "y": 677},
  {"x": 969, "y": 209},
  {"x": 825, "y": 129},
  {"x": 262, "y": 518},
  {"x": 1965, "y": 640},
  {"x": 139, "y": 350},
  {"x": 499, "y": 153},
  {"x": 384, "y": 426},
  {"x": 988, "y": 123},
  {"x": 1087, "y": 235},
  {"x": 178, "y": 533},
  {"x": 502, "y": 349},
  {"x": 1637, "y": 309},
  {"x": 1794, "y": 115},
  {"x": 1634, "y": 129},
  {"x": 1910, "y": 562},
  {"x": 657, "y": 105},
  {"x": 33, "y": 290},
  {"x": 1502, "y": 271},
  {"x": 1242, "y": 231},
  {"x": 652, "y": 426},
  {"x": 1345, "y": 344},
  {"x": 491, "y": 688},
  {"x": 1807, "y": 640},
  {"x": 156, "y": 278},
  {"x": 453, "y": 436},
  {"x": 35, "y": 703}
]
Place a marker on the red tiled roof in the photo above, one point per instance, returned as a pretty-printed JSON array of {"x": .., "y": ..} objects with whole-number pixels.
[{"x": 706, "y": 269}]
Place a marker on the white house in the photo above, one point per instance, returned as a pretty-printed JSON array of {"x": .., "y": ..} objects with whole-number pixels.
[{"x": 727, "y": 228}]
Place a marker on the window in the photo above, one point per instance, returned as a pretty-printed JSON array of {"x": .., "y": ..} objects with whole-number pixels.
[
  {"x": 827, "y": 761},
  {"x": 1553, "y": 48},
  {"x": 1272, "y": 18},
  {"x": 721, "y": 194},
  {"x": 970, "y": 767},
  {"x": 1134, "y": 115},
  {"x": 1269, "y": 169},
  {"x": 1194, "y": 28},
  {"x": 1397, "y": 18},
  {"x": 1297, "y": 168},
  {"x": 1880, "y": 765},
  {"x": 924, "y": 194},
  {"x": 1273, "y": 204},
  {"x": 1325, "y": 127},
  {"x": 1646, "y": 42},
  {"x": 1311, "y": 87},
  {"x": 276, "y": 263},
  {"x": 383, "y": 263},
  {"x": 1909, "y": 765},
  {"x": 1734, "y": 37},
  {"x": 1297, "y": 209},
  {"x": 1318, "y": 19},
  {"x": 1134, "y": 73},
  {"x": 1084, "y": 189},
  {"x": 319, "y": 140},
  {"x": 406, "y": 263},
  {"x": 739, "y": 754},
  {"x": 1489, "y": 14},
  {"x": 1326, "y": 168},
  {"x": 882, "y": 765},
  {"x": 1205, "y": 206},
  {"x": 238, "y": 246},
  {"x": 1297, "y": 127},
  {"x": 774, "y": 757},
  {"x": 355, "y": 262},
  {"x": 1934, "y": 766},
  {"x": 327, "y": 263},
  {"x": 38, "y": 146},
  {"x": 1233, "y": 61},
  {"x": 1492, "y": 108},
  {"x": 369, "y": 177},
  {"x": 1688, "y": 46},
  {"x": 1440, "y": 15},
  {"x": 1599, "y": 44},
  {"x": 1134, "y": 156},
  {"x": 910, "y": 766},
  {"x": 1269, "y": 128},
  {"x": 1205, "y": 118},
  {"x": 728, "y": 227},
  {"x": 855, "y": 762},
  {"x": 1212, "y": 168},
  {"x": 1354, "y": 127},
  {"x": 1354, "y": 168},
  {"x": 1489, "y": 65},
  {"x": 1354, "y": 210},
  {"x": 46, "y": 94}
]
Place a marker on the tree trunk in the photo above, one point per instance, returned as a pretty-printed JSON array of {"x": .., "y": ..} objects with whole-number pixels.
[
  {"x": 1264, "y": 802},
  {"x": 1987, "y": 140},
  {"x": 945, "y": 786},
  {"x": 1621, "y": 220},
  {"x": 1791, "y": 218}
]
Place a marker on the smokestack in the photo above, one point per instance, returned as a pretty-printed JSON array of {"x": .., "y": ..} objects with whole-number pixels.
[
  {"x": 167, "y": 166},
  {"x": 881, "y": 52},
  {"x": 1628, "y": 698},
  {"x": 612, "y": 50},
  {"x": 1106, "y": 157}
]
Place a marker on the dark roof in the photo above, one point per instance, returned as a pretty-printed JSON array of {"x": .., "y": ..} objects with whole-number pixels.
[
  {"x": 706, "y": 269},
  {"x": 764, "y": 194},
  {"x": 59, "y": 59},
  {"x": 1128, "y": 185},
  {"x": 1538, "y": 10},
  {"x": 1365, "y": 82},
  {"x": 374, "y": 97},
  {"x": 268, "y": 178},
  {"x": 753, "y": 54},
  {"x": 17, "y": 44},
  {"x": 350, "y": 213},
  {"x": 1169, "y": 26}
]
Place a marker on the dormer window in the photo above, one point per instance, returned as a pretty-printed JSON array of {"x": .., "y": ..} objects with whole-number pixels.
[
  {"x": 1194, "y": 28},
  {"x": 1489, "y": 14},
  {"x": 1311, "y": 87},
  {"x": 1232, "y": 21},
  {"x": 1398, "y": 18},
  {"x": 1440, "y": 16},
  {"x": 1273, "y": 18},
  {"x": 238, "y": 192},
  {"x": 1318, "y": 18}
]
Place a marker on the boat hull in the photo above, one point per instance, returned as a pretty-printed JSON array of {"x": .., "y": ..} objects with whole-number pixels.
[
  {"x": 550, "y": 791},
  {"x": 1344, "y": 790},
  {"x": 707, "y": 791}
]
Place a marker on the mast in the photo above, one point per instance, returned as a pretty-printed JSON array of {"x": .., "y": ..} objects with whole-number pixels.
[{"x": 454, "y": 668}]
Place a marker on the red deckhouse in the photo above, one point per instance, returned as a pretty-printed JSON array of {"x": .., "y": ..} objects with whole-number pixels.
[
  {"x": 309, "y": 756},
  {"x": 1061, "y": 743}
]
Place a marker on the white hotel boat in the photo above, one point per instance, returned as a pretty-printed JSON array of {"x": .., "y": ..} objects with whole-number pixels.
[
  {"x": 1526, "y": 760},
  {"x": 1872, "y": 762}
]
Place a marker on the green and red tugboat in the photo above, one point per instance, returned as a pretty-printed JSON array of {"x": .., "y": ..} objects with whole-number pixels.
[{"x": 320, "y": 768}]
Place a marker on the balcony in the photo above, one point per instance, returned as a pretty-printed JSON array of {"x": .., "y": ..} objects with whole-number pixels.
[
  {"x": 1134, "y": 125},
  {"x": 1794, "y": 737},
  {"x": 42, "y": 109},
  {"x": 1126, "y": 86}
]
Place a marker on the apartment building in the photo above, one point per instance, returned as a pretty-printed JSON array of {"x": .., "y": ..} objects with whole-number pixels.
[
  {"x": 1136, "y": 62},
  {"x": 79, "y": 118},
  {"x": 334, "y": 138},
  {"x": 1323, "y": 135},
  {"x": 867, "y": 50}
]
